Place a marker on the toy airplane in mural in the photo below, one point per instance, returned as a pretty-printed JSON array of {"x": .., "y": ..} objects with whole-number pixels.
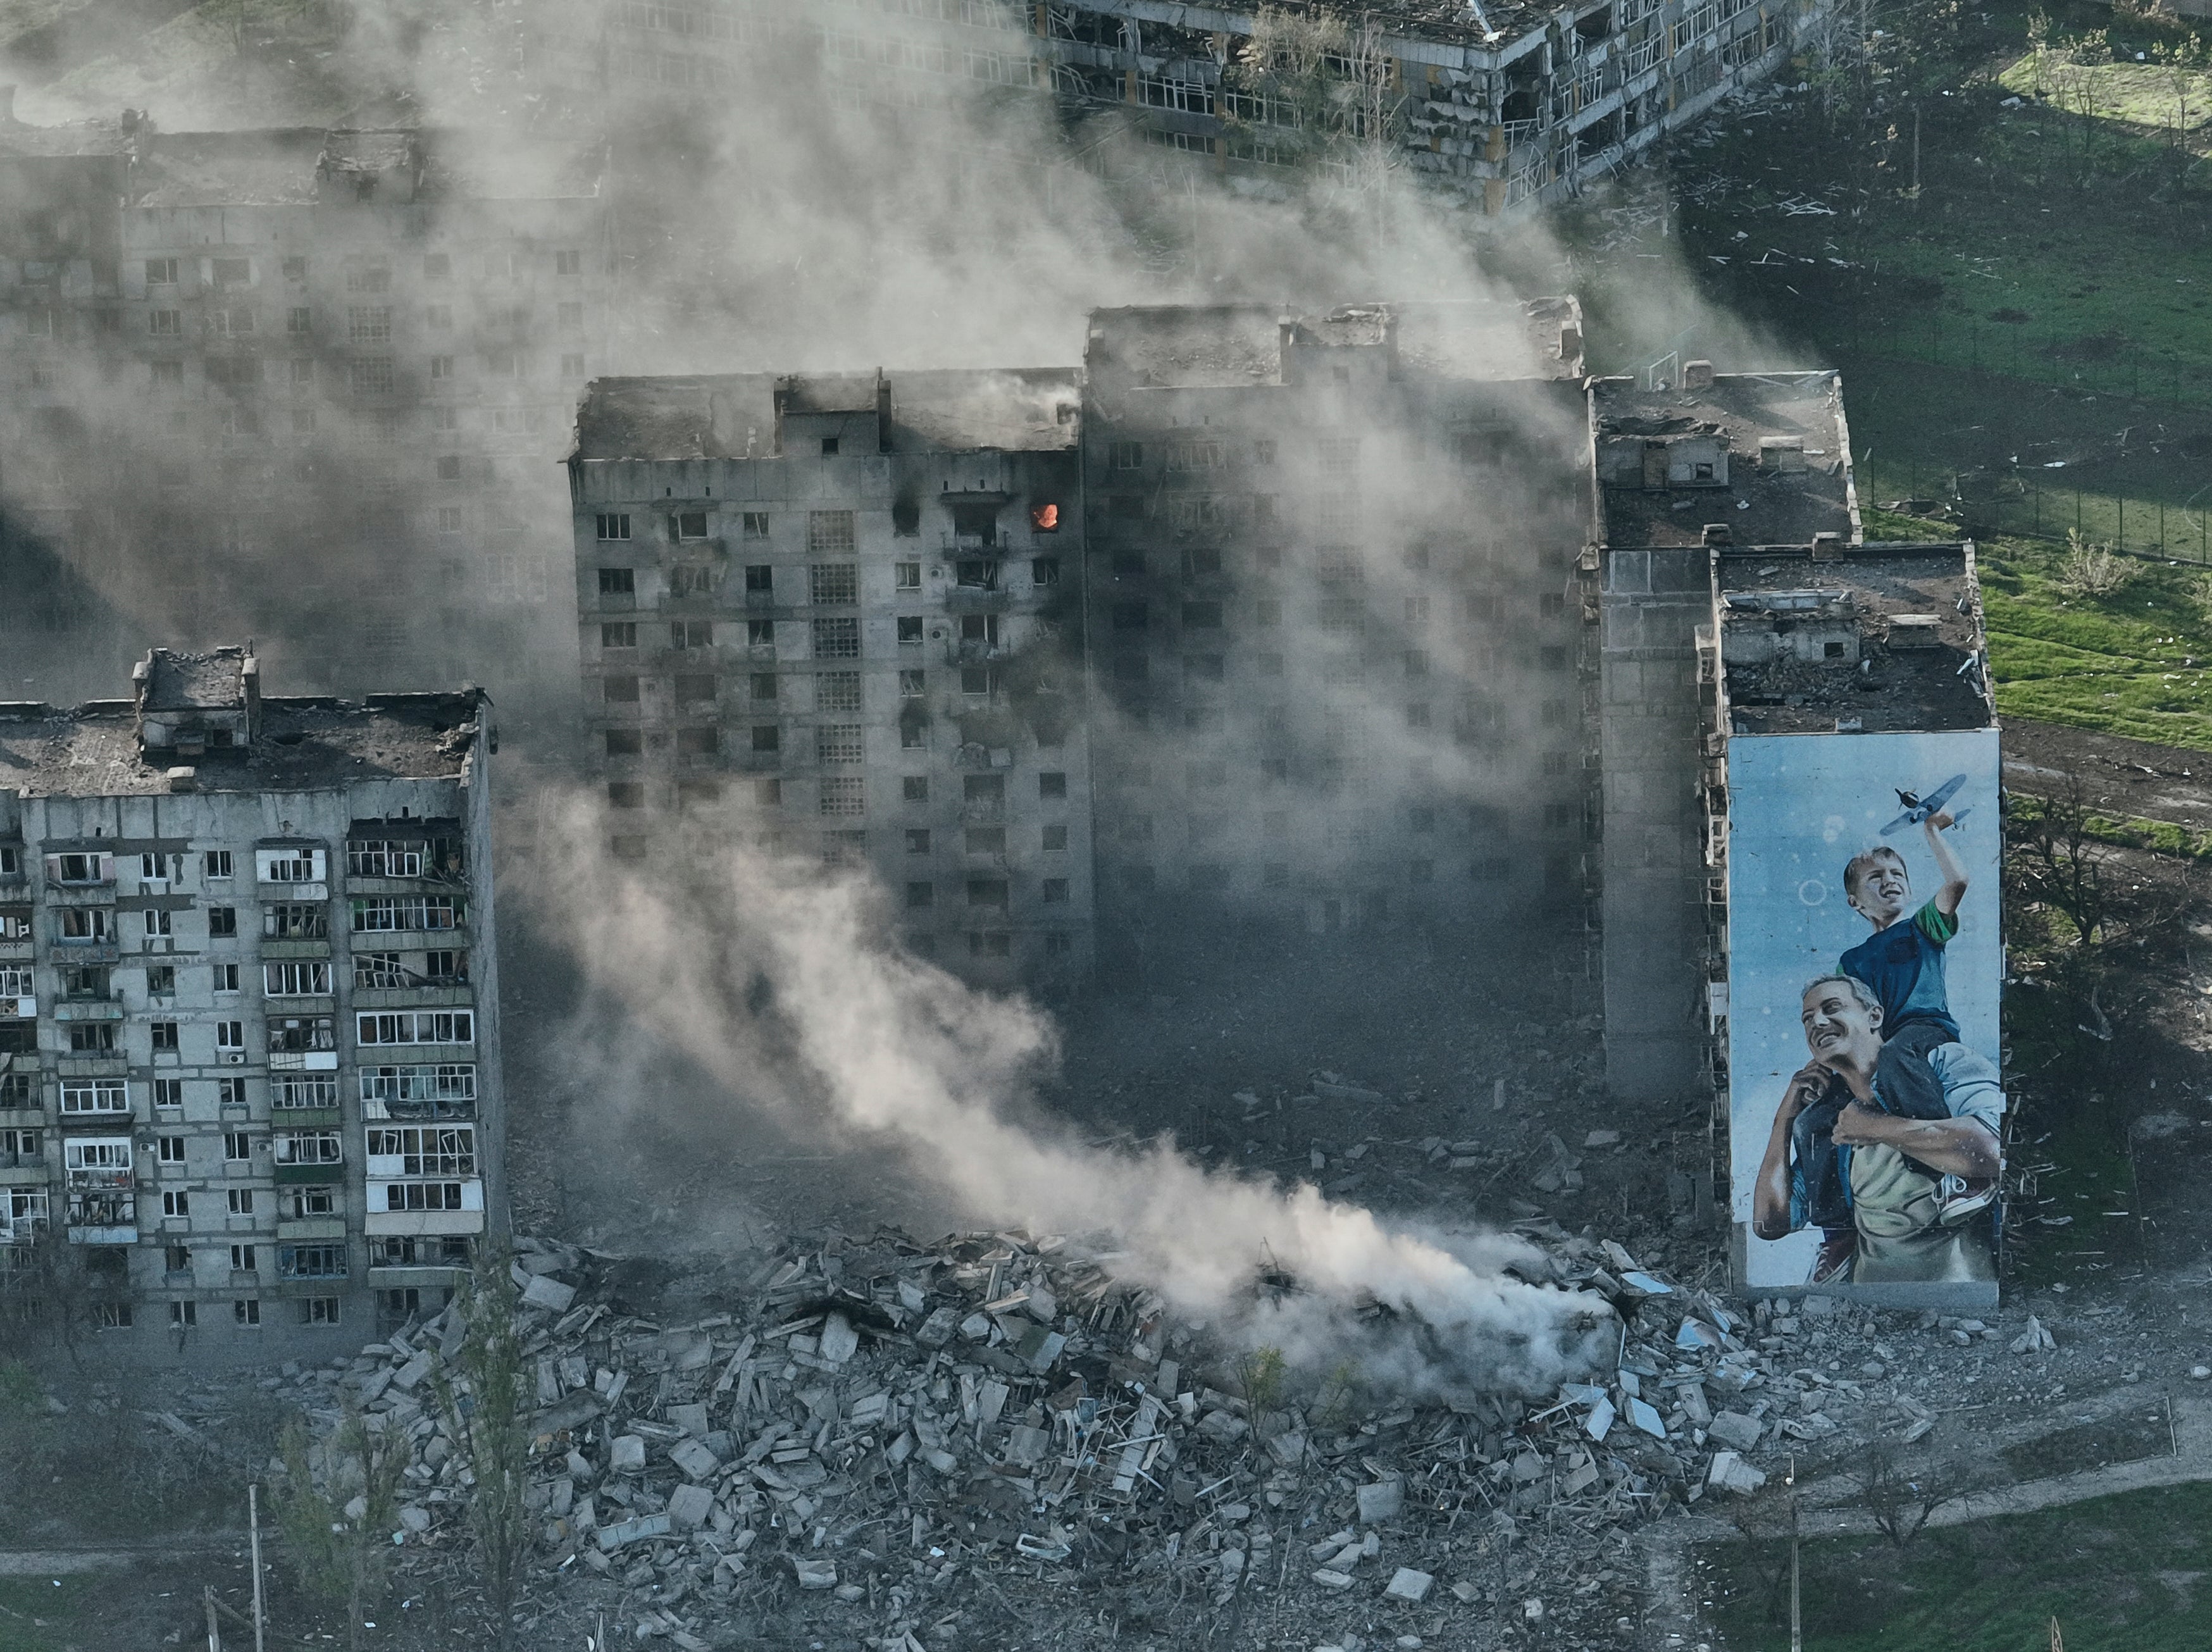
[{"x": 1919, "y": 809}]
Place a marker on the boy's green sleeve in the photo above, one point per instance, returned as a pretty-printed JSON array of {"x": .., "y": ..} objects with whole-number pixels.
[{"x": 1930, "y": 921}]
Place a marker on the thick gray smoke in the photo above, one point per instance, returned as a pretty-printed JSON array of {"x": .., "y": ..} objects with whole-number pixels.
[{"x": 779, "y": 982}]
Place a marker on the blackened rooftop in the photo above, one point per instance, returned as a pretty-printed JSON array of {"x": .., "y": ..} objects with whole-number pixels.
[
  {"x": 1766, "y": 456},
  {"x": 1874, "y": 638},
  {"x": 304, "y": 746},
  {"x": 734, "y": 415}
]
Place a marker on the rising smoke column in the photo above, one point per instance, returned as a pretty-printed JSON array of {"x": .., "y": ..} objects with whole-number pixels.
[{"x": 780, "y": 983}]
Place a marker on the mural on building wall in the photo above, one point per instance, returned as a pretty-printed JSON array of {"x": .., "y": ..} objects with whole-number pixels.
[{"x": 1865, "y": 965}]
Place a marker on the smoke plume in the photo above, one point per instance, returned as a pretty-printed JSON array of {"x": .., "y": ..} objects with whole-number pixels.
[{"x": 780, "y": 983}]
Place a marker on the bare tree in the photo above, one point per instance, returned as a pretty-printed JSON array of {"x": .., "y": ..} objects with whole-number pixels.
[{"x": 1901, "y": 1501}]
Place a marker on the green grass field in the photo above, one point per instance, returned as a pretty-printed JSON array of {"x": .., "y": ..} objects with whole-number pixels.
[
  {"x": 35, "y": 1616},
  {"x": 2131, "y": 1573},
  {"x": 2152, "y": 95}
]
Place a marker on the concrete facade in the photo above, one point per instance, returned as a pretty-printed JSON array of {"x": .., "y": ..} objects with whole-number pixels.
[
  {"x": 249, "y": 1100},
  {"x": 842, "y": 617}
]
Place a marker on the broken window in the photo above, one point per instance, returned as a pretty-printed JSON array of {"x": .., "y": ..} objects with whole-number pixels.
[
  {"x": 753, "y": 524},
  {"x": 92, "y": 1037},
  {"x": 176, "y": 1202},
  {"x": 222, "y": 922},
  {"x": 617, "y": 581},
  {"x": 691, "y": 634},
  {"x": 304, "y": 978},
  {"x": 909, "y": 629},
  {"x": 383, "y": 913},
  {"x": 164, "y": 1034},
  {"x": 312, "y": 1262},
  {"x": 767, "y": 737},
  {"x": 415, "y": 1027},
  {"x": 976, "y": 574},
  {"x": 1185, "y": 456},
  {"x": 378, "y": 970},
  {"x": 83, "y": 924},
  {"x": 760, "y": 633},
  {"x": 1124, "y": 456},
  {"x": 623, "y": 634},
  {"x": 161, "y": 273},
  {"x": 917, "y": 840},
  {"x": 912, "y": 685},
  {"x": 1044, "y": 570},
  {"x": 990, "y": 892},
  {"x": 688, "y": 525},
  {"x": 167, "y": 324}
]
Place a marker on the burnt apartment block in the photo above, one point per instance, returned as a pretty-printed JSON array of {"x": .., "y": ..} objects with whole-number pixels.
[
  {"x": 1499, "y": 106},
  {"x": 1335, "y": 613},
  {"x": 250, "y": 1102},
  {"x": 338, "y": 367},
  {"x": 842, "y": 616}
]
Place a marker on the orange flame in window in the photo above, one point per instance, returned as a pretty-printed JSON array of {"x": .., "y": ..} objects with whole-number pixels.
[{"x": 1045, "y": 518}]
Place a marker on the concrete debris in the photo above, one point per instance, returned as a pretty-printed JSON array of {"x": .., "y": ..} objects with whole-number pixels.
[
  {"x": 2034, "y": 1340},
  {"x": 905, "y": 1421}
]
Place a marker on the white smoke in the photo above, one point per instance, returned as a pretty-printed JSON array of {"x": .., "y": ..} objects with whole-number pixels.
[{"x": 780, "y": 984}]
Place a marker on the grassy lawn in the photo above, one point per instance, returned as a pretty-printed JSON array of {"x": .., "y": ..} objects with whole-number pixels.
[
  {"x": 37, "y": 1617},
  {"x": 2139, "y": 94},
  {"x": 2135, "y": 661},
  {"x": 2120, "y": 1574}
]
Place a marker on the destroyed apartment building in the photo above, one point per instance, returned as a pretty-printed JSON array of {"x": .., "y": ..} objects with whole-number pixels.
[
  {"x": 1259, "y": 614},
  {"x": 374, "y": 335},
  {"x": 1502, "y": 106},
  {"x": 250, "y": 1102}
]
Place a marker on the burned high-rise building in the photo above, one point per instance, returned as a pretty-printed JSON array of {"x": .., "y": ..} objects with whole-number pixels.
[
  {"x": 841, "y": 616},
  {"x": 249, "y": 1053},
  {"x": 1335, "y": 618},
  {"x": 307, "y": 384}
]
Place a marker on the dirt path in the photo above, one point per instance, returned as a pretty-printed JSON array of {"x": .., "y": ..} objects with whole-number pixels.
[{"x": 2156, "y": 782}]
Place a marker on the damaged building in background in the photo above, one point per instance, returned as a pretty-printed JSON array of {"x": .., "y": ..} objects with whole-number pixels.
[
  {"x": 1502, "y": 107},
  {"x": 335, "y": 366},
  {"x": 250, "y": 1102},
  {"x": 1265, "y": 618}
]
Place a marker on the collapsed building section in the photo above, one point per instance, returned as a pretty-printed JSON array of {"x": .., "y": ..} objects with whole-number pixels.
[{"x": 249, "y": 1062}]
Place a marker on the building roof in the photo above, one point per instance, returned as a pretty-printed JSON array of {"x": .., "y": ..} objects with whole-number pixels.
[
  {"x": 1233, "y": 346},
  {"x": 1885, "y": 636},
  {"x": 734, "y": 416},
  {"x": 1765, "y": 501},
  {"x": 176, "y": 681},
  {"x": 304, "y": 746}
]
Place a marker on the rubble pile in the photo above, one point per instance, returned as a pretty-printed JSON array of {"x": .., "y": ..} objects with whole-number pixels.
[
  {"x": 904, "y": 1431},
  {"x": 910, "y": 1443}
]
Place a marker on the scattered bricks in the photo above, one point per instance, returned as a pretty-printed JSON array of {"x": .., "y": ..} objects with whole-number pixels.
[
  {"x": 1288, "y": 1450},
  {"x": 1733, "y": 1428},
  {"x": 374, "y": 1385},
  {"x": 1380, "y": 1503},
  {"x": 611, "y": 1537},
  {"x": 416, "y": 1519},
  {"x": 691, "y": 1418},
  {"x": 943, "y": 1461},
  {"x": 689, "y": 1507},
  {"x": 626, "y": 1453},
  {"x": 840, "y": 1341},
  {"x": 573, "y": 1413},
  {"x": 2035, "y": 1340},
  {"x": 1332, "y": 1579},
  {"x": 1919, "y": 1431},
  {"x": 696, "y": 1458},
  {"x": 544, "y": 1291},
  {"x": 562, "y": 1498},
  {"x": 814, "y": 1574},
  {"x": 1408, "y": 1585}
]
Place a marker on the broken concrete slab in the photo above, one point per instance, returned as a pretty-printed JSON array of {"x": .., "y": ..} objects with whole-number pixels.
[
  {"x": 544, "y": 1291},
  {"x": 840, "y": 1341},
  {"x": 1408, "y": 1585},
  {"x": 626, "y": 1453},
  {"x": 1733, "y": 1428},
  {"x": 1380, "y": 1503},
  {"x": 611, "y": 1537},
  {"x": 689, "y": 1506},
  {"x": 695, "y": 1459}
]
